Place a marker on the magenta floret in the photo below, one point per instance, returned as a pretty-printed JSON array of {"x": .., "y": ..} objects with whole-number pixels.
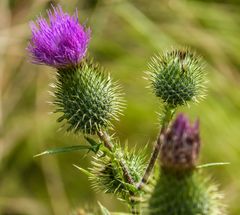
[
  {"x": 181, "y": 144},
  {"x": 62, "y": 42}
]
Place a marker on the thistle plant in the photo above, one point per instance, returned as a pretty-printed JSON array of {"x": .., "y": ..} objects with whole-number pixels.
[{"x": 88, "y": 101}]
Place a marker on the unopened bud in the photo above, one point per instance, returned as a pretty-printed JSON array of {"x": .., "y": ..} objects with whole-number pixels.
[{"x": 181, "y": 144}]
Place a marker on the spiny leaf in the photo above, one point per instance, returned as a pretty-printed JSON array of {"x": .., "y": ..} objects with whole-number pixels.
[
  {"x": 93, "y": 143},
  {"x": 131, "y": 188},
  {"x": 104, "y": 211},
  {"x": 65, "y": 149},
  {"x": 84, "y": 170},
  {"x": 212, "y": 164}
]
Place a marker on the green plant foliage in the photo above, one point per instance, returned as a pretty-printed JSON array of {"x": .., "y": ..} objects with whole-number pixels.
[
  {"x": 108, "y": 177},
  {"x": 68, "y": 149},
  {"x": 104, "y": 211},
  {"x": 87, "y": 98},
  {"x": 185, "y": 193},
  {"x": 125, "y": 33},
  {"x": 177, "y": 77}
]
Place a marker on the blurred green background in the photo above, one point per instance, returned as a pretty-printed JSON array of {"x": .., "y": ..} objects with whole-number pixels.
[{"x": 125, "y": 34}]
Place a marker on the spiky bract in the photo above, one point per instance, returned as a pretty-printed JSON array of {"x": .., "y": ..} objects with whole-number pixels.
[
  {"x": 87, "y": 98},
  {"x": 177, "y": 77},
  {"x": 108, "y": 176},
  {"x": 185, "y": 193}
]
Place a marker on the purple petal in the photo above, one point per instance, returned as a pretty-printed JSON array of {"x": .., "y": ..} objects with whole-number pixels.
[{"x": 60, "y": 43}]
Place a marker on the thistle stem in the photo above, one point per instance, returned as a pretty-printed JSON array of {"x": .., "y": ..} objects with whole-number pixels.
[
  {"x": 107, "y": 142},
  {"x": 152, "y": 161},
  {"x": 167, "y": 116},
  {"x": 134, "y": 210}
]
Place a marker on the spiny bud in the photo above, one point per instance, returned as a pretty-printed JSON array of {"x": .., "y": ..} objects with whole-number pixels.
[
  {"x": 107, "y": 177},
  {"x": 181, "y": 144},
  {"x": 87, "y": 98},
  {"x": 177, "y": 77}
]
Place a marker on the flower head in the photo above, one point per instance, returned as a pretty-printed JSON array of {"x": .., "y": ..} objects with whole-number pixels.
[
  {"x": 181, "y": 144},
  {"x": 177, "y": 77},
  {"x": 60, "y": 43},
  {"x": 87, "y": 98}
]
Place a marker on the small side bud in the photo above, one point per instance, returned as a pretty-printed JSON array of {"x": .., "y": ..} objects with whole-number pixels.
[
  {"x": 177, "y": 77},
  {"x": 107, "y": 177},
  {"x": 181, "y": 145}
]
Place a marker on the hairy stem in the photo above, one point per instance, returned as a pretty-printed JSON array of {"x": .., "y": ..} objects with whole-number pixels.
[
  {"x": 107, "y": 142},
  {"x": 167, "y": 116}
]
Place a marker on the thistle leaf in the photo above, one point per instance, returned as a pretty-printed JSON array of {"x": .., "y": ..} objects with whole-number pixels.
[
  {"x": 66, "y": 149},
  {"x": 212, "y": 164},
  {"x": 95, "y": 146},
  {"x": 91, "y": 141},
  {"x": 83, "y": 170},
  {"x": 103, "y": 210}
]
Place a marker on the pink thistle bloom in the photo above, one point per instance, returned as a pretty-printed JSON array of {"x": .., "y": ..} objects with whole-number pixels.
[
  {"x": 181, "y": 144},
  {"x": 60, "y": 43}
]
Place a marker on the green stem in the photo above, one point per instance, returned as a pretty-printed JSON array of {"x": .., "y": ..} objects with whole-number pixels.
[
  {"x": 108, "y": 144},
  {"x": 134, "y": 210},
  {"x": 167, "y": 116}
]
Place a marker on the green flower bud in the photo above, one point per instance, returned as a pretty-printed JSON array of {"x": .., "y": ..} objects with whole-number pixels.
[
  {"x": 108, "y": 177},
  {"x": 177, "y": 77},
  {"x": 87, "y": 98}
]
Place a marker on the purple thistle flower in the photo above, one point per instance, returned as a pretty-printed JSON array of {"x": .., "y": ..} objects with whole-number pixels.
[
  {"x": 181, "y": 144},
  {"x": 60, "y": 43}
]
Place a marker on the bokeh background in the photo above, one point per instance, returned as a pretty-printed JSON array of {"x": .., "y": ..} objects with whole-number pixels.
[{"x": 125, "y": 34}]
